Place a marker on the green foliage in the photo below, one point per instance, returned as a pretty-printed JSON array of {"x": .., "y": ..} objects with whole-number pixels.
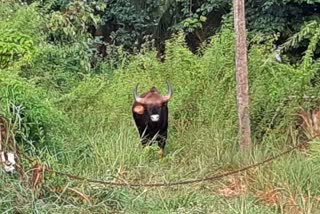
[
  {"x": 78, "y": 118},
  {"x": 32, "y": 115},
  {"x": 53, "y": 50},
  {"x": 15, "y": 47},
  {"x": 210, "y": 96},
  {"x": 21, "y": 18},
  {"x": 55, "y": 68},
  {"x": 19, "y": 32},
  {"x": 103, "y": 142},
  {"x": 68, "y": 29},
  {"x": 274, "y": 16},
  {"x": 72, "y": 24},
  {"x": 309, "y": 31},
  {"x": 128, "y": 24},
  {"x": 192, "y": 23}
]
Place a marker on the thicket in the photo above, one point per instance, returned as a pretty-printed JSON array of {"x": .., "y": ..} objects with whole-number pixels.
[
  {"x": 52, "y": 53},
  {"x": 74, "y": 108},
  {"x": 132, "y": 23}
]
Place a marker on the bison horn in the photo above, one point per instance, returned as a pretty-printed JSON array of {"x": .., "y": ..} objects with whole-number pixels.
[
  {"x": 136, "y": 95},
  {"x": 169, "y": 95}
]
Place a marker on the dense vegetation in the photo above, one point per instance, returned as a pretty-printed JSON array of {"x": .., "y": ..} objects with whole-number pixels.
[{"x": 67, "y": 73}]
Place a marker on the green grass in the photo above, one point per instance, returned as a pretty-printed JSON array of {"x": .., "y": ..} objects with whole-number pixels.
[
  {"x": 119, "y": 155},
  {"x": 96, "y": 138}
]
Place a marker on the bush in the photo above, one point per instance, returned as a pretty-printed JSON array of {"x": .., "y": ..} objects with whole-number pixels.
[
  {"x": 19, "y": 32},
  {"x": 29, "y": 40},
  {"x": 204, "y": 88},
  {"x": 32, "y": 115}
]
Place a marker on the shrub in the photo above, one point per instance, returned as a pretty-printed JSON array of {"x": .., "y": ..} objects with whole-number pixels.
[
  {"x": 32, "y": 115},
  {"x": 19, "y": 32},
  {"x": 204, "y": 88}
]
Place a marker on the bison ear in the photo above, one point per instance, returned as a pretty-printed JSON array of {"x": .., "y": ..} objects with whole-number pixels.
[{"x": 139, "y": 109}]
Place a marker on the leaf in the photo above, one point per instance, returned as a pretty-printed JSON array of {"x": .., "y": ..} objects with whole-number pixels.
[{"x": 203, "y": 18}]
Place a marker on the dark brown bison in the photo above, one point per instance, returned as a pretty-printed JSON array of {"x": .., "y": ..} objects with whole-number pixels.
[{"x": 150, "y": 113}]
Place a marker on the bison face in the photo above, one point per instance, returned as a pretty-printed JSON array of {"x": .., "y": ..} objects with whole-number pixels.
[
  {"x": 154, "y": 112},
  {"x": 152, "y": 104}
]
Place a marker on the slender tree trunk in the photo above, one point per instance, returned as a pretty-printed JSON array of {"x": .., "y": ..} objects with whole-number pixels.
[{"x": 242, "y": 75}]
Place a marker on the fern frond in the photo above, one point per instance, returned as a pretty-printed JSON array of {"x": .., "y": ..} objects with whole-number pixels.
[{"x": 309, "y": 31}]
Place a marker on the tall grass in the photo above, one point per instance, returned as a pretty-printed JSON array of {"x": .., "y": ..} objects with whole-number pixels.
[{"x": 101, "y": 142}]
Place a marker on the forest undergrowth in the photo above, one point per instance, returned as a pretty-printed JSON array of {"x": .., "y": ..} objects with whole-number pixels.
[{"x": 81, "y": 123}]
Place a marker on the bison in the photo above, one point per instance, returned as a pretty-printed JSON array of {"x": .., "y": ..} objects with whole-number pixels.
[{"x": 150, "y": 113}]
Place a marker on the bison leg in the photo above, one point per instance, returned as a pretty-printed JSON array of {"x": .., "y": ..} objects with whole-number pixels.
[
  {"x": 161, "y": 152},
  {"x": 162, "y": 140},
  {"x": 161, "y": 144}
]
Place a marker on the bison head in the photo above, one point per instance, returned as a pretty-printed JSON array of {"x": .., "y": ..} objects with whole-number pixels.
[{"x": 151, "y": 103}]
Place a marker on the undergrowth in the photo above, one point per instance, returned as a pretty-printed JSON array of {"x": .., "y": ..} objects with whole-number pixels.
[{"x": 88, "y": 130}]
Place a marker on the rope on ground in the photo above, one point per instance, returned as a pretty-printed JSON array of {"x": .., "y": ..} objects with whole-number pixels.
[
  {"x": 39, "y": 169},
  {"x": 211, "y": 178}
]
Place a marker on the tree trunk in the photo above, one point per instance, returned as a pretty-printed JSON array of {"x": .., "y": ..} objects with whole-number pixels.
[{"x": 242, "y": 75}]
